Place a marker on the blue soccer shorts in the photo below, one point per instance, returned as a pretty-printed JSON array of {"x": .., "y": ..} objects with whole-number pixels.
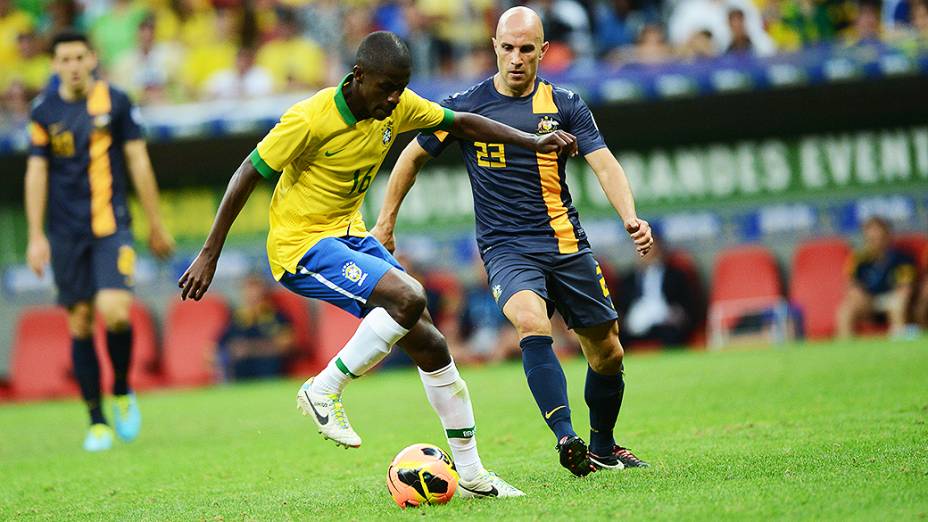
[
  {"x": 83, "y": 265},
  {"x": 342, "y": 271},
  {"x": 571, "y": 283}
]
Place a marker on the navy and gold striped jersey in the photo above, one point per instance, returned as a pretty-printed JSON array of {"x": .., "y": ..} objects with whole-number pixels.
[
  {"x": 83, "y": 142},
  {"x": 520, "y": 196}
]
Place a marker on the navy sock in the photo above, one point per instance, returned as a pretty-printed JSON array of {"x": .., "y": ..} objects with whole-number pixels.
[
  {"x": 87, "y": 373},
  {"x": 119, "y": 346},
  {"x": 547, "y": 382},
  {"x": 603, "y": 395}
]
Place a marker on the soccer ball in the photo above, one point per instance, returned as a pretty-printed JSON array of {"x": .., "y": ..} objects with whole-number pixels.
[{"x": 421, "y": 474}]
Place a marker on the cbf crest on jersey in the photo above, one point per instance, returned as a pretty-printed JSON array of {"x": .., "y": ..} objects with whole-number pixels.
[
  {"x": 353, "y": 273},
  {"x": 547, "y": 125},
  {"x": 387, "y": 133}
]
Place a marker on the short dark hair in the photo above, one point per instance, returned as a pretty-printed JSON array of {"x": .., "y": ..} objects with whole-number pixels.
[
  {"x": 382, "y": 50},
  {"x": 878, "y": 221},
  {"x": 67, "y": 36}
]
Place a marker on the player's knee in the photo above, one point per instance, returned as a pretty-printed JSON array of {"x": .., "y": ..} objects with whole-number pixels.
[
  {"x": 115, "y": 315},
  {"x": 528, "y": 322},
  {"x": 609, "y": 360},
  {"x": 409, "y": 303},
  {"x": 80, "y": 320}
]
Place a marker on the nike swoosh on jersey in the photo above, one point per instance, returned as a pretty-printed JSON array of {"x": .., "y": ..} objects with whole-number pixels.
[
  {"x": 329, "y": 154},
  {"x": 322, "y": 420},
  {"x": 550, "y": 413}
]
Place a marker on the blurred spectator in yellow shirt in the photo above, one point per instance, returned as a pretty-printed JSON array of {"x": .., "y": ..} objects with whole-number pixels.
[
  {"x": 294, "y": 62},
  {"x": 204, "y": 60},
  {"x": 31, "y": 67},
  {"x": 245, "y": 80},
  {"x": 12, "y": 24},
  {"x": 867, "y": 28},
  {"x": 114, "y": 32},
  {"x": 794, "y": 24},
  {"x": 149, "y": 71},
  {"x": 199, "y": 24}
]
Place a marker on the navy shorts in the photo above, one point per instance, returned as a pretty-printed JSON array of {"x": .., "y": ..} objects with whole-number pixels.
[
  {"x": 571, "y": 283},
  {"x": 83, "y": 265},
  {"x": 342, "y": 271}
]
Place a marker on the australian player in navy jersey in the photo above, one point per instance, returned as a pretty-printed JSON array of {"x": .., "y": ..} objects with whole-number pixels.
[
  {"x": 535, "y": 251},
  {"x": 85, "y": 137}
]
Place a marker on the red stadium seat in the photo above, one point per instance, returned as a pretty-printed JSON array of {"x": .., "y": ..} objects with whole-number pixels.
[
  {"x": 336, "y": 326},
  {"x": 296, "y": 309},
  {"x": 745, "y": 280},
  {"x": 684, "y": 261},
  {"x": 41, "y": 357},
  {"x": 192, "y": 331},
  {"x": 818, "y": 283},
  {"x": 915, "y": 245},
  {"x": 447, "y": 285},
  {"x": 144, "y": 373}
]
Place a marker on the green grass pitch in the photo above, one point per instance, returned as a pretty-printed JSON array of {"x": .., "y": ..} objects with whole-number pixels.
[{"x": 819, "y": 431}]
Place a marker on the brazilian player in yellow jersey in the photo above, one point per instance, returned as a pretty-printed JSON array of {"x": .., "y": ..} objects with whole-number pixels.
[
  {"x": 537, "y": 255},
  {"x": 323, "y": 155}
]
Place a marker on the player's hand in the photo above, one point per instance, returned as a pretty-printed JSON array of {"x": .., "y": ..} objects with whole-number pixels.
[
  {"x": 385, "y": 235},
  {"x": 197, "y": 278},
  {"x": 640, "y": 232},
  {"x": 160, "y": 242},
  {"x": 38, "y": 254},
  {"x": 558, "y": 141}
]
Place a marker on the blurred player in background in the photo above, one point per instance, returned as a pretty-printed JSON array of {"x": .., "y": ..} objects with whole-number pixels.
[
  {"x": 85, "y": 138},
  {"x": 323, "y": 155},
  {"x": 529, "y": 234}
]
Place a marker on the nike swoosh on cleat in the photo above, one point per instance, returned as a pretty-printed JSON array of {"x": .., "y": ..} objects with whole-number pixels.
[
  {"x": 322, "y": 420},
  {"x": 550, "y": 413},
  {"x": 493, "y": 492}
]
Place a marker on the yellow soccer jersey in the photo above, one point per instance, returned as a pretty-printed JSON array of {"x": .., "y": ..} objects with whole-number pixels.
[{"x": 326, "y": 160}]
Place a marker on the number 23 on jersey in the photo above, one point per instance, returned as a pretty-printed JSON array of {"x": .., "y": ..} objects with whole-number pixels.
[{"x": 490, "y": 154}]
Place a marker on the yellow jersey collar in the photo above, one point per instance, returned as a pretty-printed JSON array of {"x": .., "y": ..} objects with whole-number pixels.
[{"x": 341, "y": 104}]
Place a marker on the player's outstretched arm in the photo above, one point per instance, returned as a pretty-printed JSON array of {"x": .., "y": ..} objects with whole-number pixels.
[
  {"x": 199, "y": 274},
  {"x": 38, "y": 251},
  {"x": 402, "y": 178},
  {"x": 160, "y": 241},
  {"x": 474, "y": 127},
  {"x": 615, "y": 184}
]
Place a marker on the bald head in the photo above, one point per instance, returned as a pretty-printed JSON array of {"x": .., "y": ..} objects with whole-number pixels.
[
  {"x": 519, "y": 46},
  {"x": 521, "y": 21}
]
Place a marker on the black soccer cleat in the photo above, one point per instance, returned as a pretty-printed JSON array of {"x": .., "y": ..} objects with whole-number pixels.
[
  {"x": 575, "y": 456},
  {"x": 618, "y": 459}
]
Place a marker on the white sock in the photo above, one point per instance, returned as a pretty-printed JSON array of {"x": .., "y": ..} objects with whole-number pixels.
[
  {"x": 372, "y": 341},
  {"x": 448, "y": 394}
]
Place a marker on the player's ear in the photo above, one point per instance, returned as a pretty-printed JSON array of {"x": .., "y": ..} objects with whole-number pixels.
[
  {"x": 358, "y": 72},
  {"x": 544, "y": 49},
  {"x": 92, "y": 59}
]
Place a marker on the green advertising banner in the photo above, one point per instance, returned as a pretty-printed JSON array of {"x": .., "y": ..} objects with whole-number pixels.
[{"x": 813, "y": 169}]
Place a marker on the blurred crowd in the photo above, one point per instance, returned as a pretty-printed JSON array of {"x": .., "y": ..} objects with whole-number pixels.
[{"x": 171, "y": 51}]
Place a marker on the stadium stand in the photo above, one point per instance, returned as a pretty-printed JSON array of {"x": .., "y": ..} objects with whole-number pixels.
[
  {"x": 41, "y": 358},
  {"x": 745, "y": 281},
  {"x": 916, "y": 245},
  {"x": 685, "y": 261},
  {"x": 335, "y": 328},
  {"x": 296, "y": 310},
  {"x": 191, "y": 332},
  {"x": 818, "y": 282}
]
